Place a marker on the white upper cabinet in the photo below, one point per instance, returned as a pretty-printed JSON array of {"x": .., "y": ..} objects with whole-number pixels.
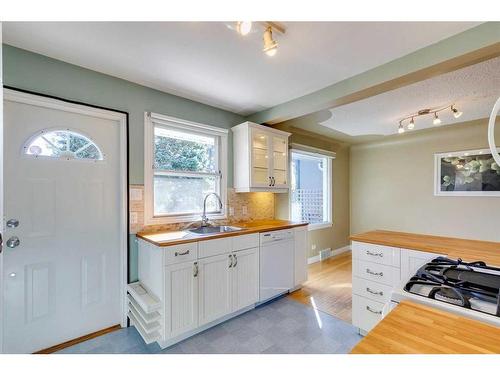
[{"x": 260, "y": 158}]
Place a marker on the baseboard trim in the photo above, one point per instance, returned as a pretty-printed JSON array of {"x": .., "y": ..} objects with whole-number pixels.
[
  {"x": 78, "y": 340},
  {"x": 338, "y": 251}
]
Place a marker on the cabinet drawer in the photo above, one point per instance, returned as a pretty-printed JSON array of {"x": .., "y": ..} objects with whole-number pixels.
[
  {"x": 365, "y": 312},
  {"x": 246, "y": 241},
  {"x": 211, "y": 248},
  {"x": 379, "y": 273},
  {"x": 388, "y": 255},
  {"x": 180, "y": 253},
  {"x": 371, "y": 289}
]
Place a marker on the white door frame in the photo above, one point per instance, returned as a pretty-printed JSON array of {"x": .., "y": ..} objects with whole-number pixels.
[
  {"x": 1, "y": 193},
  {"x": 122, "y": 118}
]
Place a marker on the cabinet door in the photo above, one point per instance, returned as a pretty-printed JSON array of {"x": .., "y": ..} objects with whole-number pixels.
[
  {"x": 412, "y": 260},
  {"x": 260, "y": 158},
  {"x": 214, "y": 288},
  {"x": 245, "y": 278},
  {"x": 300, "y": 255},
  {"x": 181, "y": 299},
  {"x": 279, "y": 160}
]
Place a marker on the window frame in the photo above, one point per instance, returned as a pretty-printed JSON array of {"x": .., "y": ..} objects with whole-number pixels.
[
  {"x": 151, "y": 120},
  {"x": 45, "y": 131},
  {"x": 327, "y": 184}
]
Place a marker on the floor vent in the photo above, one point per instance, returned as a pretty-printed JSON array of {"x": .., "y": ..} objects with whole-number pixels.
[{"x": 325, "y": 253}]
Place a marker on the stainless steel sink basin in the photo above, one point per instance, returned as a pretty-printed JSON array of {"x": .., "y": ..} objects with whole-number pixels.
[{"x": 202, "y": 231}]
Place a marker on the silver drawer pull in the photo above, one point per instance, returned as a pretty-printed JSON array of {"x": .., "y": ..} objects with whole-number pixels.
[
  {"x": 195, "y": 271},
  {"x": 373, "y": 292},
  {"x": 374, "y": 273},
  {"x": 379, "y": 312},
  {"x": 230, "y": 260},
  {"x": 368, "y": 252},
  {"x": 184, "y": 253}
]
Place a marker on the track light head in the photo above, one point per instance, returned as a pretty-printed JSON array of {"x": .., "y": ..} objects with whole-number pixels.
[
  {"x": 456, "y": 112},
  {"x": 437, "y": 120},
  {"x": 411, "y": 125},
  {"x": 270, "y": 45},
  {"x": 243, "y": 27},
  {"x": 401, "y": 128}
]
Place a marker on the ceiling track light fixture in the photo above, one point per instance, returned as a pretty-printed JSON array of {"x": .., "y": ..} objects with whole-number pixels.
[
  {"x": 270, "y": 45},
  {"x": 424, "y": 112},
  {"x": 243, "y": 27}
]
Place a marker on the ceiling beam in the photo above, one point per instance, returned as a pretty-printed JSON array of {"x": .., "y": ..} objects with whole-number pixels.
[{"x": 467, "y": 48}]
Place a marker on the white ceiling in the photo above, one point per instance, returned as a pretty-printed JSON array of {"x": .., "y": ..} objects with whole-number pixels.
[
  {"x": 473, "y": 89},
  {"x": 210, "y": 63}
]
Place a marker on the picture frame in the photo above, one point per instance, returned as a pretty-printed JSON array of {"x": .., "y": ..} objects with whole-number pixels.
[{"x": 472, "y": 173}]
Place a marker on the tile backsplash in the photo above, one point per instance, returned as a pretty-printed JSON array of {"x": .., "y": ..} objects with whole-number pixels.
[{"x": 240, "y": 207}]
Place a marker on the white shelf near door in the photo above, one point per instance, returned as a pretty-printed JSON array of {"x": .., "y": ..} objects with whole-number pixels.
[{"x": 144, "y": 298}]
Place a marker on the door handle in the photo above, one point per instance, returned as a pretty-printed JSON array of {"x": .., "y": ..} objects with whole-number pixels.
[
  {"x": 235, "y": 260},
  {"x": 274, "y": 181},
  {"x": 1, "y": 243},
  {"x": 13, "y": 242},
  {"x": 230, "y": 260},
  {"x": 270, "y": 181},
  {"x": 12, "y": 223}
]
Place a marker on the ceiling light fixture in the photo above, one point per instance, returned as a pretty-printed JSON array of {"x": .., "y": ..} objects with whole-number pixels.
[
  {"x": 270, "y": 45},
  {"x": 411, "y": 125},
  {"x": 456, "y": 112},
  {"x": 437, "y": 120},
  {"x": 243, "y": 27},
  {"x": 428, "y": 111}
]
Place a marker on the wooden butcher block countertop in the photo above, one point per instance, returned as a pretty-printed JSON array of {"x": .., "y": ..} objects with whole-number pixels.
[
  {"x": 169, "y": 238},
  {"x": 454, "y": 248},
  {"x": 412, "y": 328}
]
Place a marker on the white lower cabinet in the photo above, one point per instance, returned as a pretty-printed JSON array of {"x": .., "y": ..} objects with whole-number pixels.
[
  {"x": 366, "y": 313},
  {"x": 300, "y": 255},
  {"x": 412, "y": 260},
  {"x": 181, "y": 298},
  {"x": 191, "y": 287},
  {"x": 376, "y": 271},
  {"x": 214, "y": 281},
  {"x": 245, "y": 278}
]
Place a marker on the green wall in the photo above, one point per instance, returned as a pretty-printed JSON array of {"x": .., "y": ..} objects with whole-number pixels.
[{"x": 30, "y": 71}]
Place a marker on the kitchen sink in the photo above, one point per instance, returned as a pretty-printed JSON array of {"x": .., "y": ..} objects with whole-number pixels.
[{"x": 201, "y": 231}]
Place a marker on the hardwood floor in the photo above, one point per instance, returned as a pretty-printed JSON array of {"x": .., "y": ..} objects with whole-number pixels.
[{"x": 329, "y": 287}]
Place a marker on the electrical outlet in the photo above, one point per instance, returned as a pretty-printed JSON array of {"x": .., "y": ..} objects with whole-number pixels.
[
  {"x": 231, "y": 211},
  {"x": 244, "y": 210},
  {"x": 313, "y": 247}
]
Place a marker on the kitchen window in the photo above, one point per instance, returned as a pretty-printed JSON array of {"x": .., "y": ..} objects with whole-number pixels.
[
  {"x": 311, "y": 187},
  {"x": 184, "y": 161}
]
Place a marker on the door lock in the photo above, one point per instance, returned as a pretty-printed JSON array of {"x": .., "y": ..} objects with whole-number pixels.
[
  {"x": 12, "y": 223},
  {"x": 13, "y": 242}
]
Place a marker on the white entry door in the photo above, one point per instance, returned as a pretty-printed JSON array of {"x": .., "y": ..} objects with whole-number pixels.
[{"x": 64, "y": 208}]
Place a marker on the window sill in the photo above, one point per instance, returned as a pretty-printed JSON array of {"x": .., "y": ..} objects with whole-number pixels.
[{"x": 317, "y": 226}]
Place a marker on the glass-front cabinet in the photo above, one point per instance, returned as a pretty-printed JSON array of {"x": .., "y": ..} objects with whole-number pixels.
[{"x": 260, "y": 158}]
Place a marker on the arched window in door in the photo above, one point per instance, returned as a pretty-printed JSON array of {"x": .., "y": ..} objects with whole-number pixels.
[{"x": 62, "y": 144}]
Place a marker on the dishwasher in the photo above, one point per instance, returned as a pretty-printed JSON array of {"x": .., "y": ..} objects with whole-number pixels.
[{"x": 276, "y": 264}]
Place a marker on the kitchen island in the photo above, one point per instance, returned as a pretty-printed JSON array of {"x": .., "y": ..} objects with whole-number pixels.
[
  {"x": 454, "y": 248},
  {"x": 383, "y": 263},
  {"x": 412, "y": 328}
]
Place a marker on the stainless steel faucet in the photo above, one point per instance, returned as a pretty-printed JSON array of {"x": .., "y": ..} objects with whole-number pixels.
[{"x": 204, "y": 218}]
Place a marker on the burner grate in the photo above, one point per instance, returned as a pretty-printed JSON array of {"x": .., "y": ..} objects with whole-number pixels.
[{"x": 469, "y": 285}]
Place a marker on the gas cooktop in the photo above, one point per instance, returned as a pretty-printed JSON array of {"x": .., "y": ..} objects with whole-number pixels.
[{"x": 474, "y": 286}]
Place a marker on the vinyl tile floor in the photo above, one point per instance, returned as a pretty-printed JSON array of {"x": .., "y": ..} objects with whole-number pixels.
[{"x": 283, "y": 326}]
